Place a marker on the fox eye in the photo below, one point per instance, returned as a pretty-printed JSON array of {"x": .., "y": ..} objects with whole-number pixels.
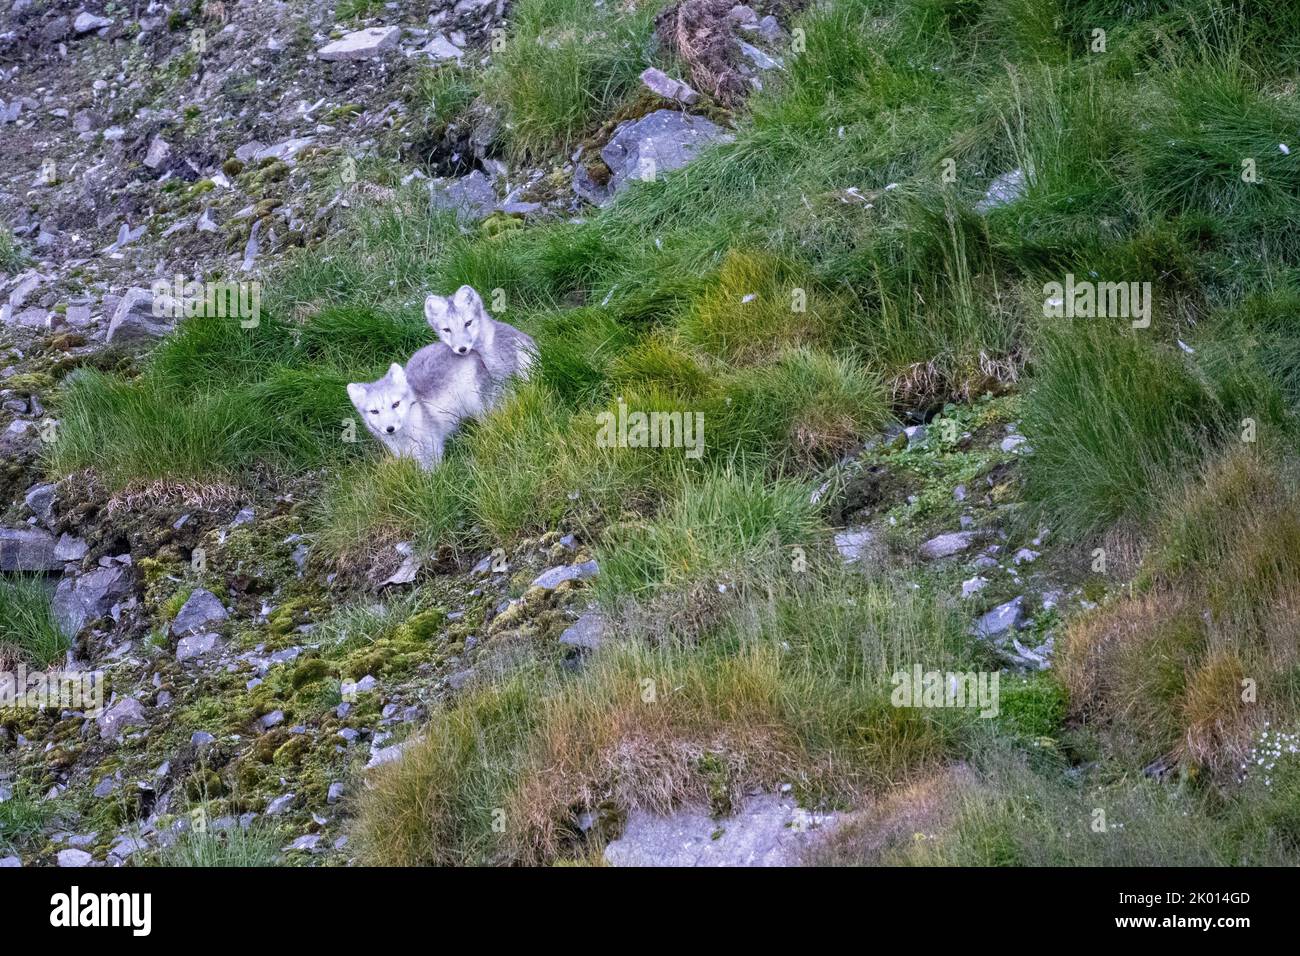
[
  {"x": 374, "y": 411},
  {"x": 446, "y": 330},
  {"x": 467, "y": 323},
  {"x": 396, "y": 403}
]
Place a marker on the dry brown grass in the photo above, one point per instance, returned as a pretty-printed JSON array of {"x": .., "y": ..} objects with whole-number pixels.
[{"x": 1165, "y": 672}]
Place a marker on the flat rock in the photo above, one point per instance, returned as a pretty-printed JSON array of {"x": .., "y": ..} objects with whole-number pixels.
[
  {"x": 645, "y": 149},
  {"x": 201, "y": 610},
  {"x": 1003, "y": 619},
  {"x": 769, "y": 830},
  {"x": 661, "y": 84},
  {"x": 362, "y": 45},
  {"x": 134, "y": 321},
  {"x": 28, "y": 549},
  {"x": 89, "y": 596},
  {"x": 853, "y": 544},
  {"x": 587, "y": 632},
  {"x": 554, "y": 577},
  {"x": 87, "y": 22},
  {"x": 946, "y": 545},
  {"x": 127, "y": 712},
  {"x": 75, "y": 858},
  {"x": 195, "y": 646},
  {"x": 470, "y": 197}
]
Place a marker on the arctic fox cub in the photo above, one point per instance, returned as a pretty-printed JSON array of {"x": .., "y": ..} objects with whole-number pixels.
[
  {"x": 464, "y": 326},
  {"x": 414, "y": 410}
]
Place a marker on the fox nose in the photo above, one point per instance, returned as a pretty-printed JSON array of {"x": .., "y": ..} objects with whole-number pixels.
[
  {"x": 391, "y": 429},
  {"x": 462, "y": 349}
]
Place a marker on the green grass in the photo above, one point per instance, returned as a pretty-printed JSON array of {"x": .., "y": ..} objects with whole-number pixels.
[
  {"x": 27, "y": 625},
  {"x": 253, "y": 846},
  {"x": 22, "y": 817},
  {"x": 563, "y": 68},
  {"x": 11, "y": 255},
  {"x": 800, "y": 287},
  {"x": 782, "y": 689}
]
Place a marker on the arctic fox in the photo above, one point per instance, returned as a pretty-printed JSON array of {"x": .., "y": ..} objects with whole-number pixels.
[
  {"x": 414, "y": 410},
  {"x": 463, "y": 325}
]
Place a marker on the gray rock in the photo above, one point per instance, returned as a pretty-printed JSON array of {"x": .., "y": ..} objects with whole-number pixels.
[
  {"x": 280, "y": 804},
  {"x": 158, "y": 154},
  {"x": 201, "y": 610},
  {"x": 364, "y": 44},
  {"x": 946, "y": 545},
  {"x": 554, "y": 577},
  {"x": 470, "y": 197},
  {"x": 335, "y": 793},
  {"x": 28, "y": 549},
  {"x": 134, "y": 319},
  {"x": 286, "y": 150},
  {"x": 442, "y": 50},
  {"x": 89, "y": 596},
  {"x": 201, "y": 738},
  {"x": 1003, "y": 191},
  {"x": 87, "y": 22},
  {"x": 1002, "y": 619},
  {"x": 769, "y": 830},
  {"x": 1015, "y": 443},
  {"x": 195, "y": 646},
  {"x": 646, "y": 148},
  {"x": 127, "y": 712},
  {"x": 305, "y": 843},
  {"x": 75, "y": 858},
  {"x": 588, "y": 631},
  {"x": 40, "y": 500},
  {"x": 68, "y": 548},
  {"x": 973, "y": 586},
  {"x": 661, "y": 84},
  {"x": 853, "y": 544},
  {"x": 274, "y": 719},
  {"x": 758, "y": 57}
]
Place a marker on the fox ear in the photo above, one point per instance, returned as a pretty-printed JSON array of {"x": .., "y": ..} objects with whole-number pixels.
[
  {"x": 397, "y": 374},
  {"x": 356, "y": 392},
  {"x": 467, "y": 300},
  {"x": 435, "y": 309}
]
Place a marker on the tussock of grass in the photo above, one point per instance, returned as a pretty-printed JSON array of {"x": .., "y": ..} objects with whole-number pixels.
[
  {"x": 252, "y": 846},
  {"x": 564, "y": 67},
  {"x": 1161, "y": 673},
  {"x": 27, "y": 626},
  {"x": 794, "y": 688}
]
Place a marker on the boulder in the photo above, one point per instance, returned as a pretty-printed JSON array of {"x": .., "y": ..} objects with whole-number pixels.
[
  {"x": 646, "y": 148},
  {"x": 364, "y": 44},
  {"x": 28, "y": 549},
  {"x": 201, "y": 610},
  {"x": 89, "y": 596}
]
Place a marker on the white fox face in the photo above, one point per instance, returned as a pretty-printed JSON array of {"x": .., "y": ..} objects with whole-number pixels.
[
  {"x": 458, "y": 319},
  {"x": 384, "y": 405}
]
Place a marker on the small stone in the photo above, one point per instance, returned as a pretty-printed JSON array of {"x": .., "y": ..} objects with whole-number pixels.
[
  {"x": 946, "y": 545},
  {"x": 75, "y": 858},
  {"x": 661, "y": 84},
  {"x": 273, "y": 719},
  {"x": 554, "y": 577},
  {"x": 201, "y": 610},
  {"x": 201, "y": 738},
  {"x": 125, "y": 713},
  {"x": 1002, "y": 619},
  {"x": 973, "y": 586},
  {"x": 335, "y": 792},
  {"x": 853, "y": 544},
  {"x": 159, "y": 151},
  {"x": 1014, "y": 442},
  {"x": 195, "y": 646},
  {"x": 587, "y": 632},
  {"x": 88, "y": 22},
  {"x": 280, "y": 804},
  {"x": 1025, "y": 556}
]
